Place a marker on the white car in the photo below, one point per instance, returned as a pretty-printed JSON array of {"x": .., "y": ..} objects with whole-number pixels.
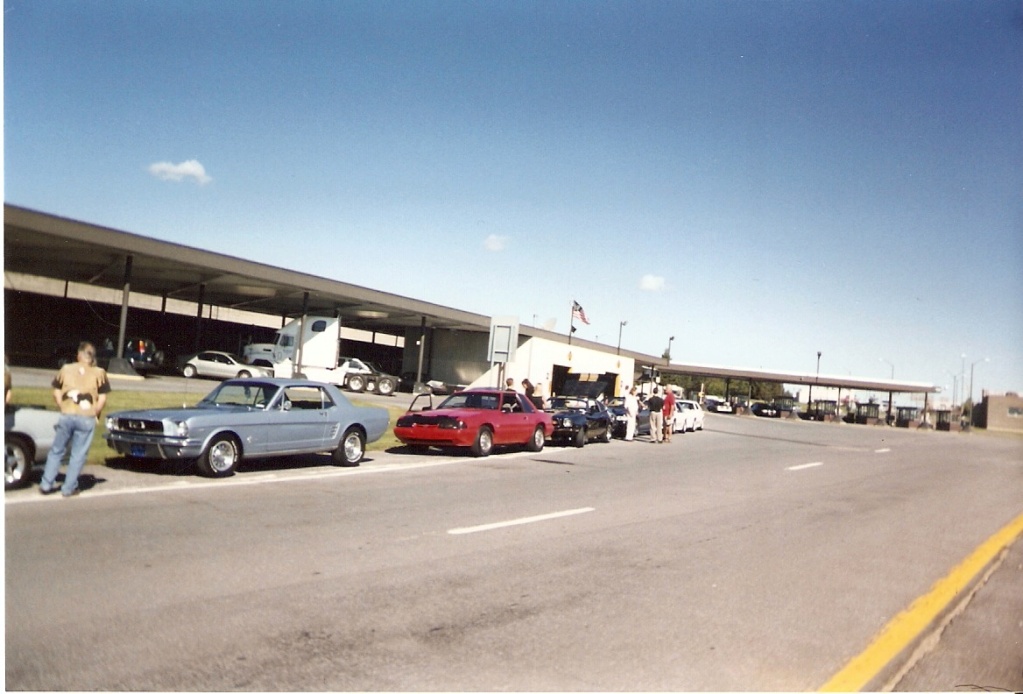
[
  {"x": 220, "y": 365},
  {"x": 688, "y": 416},
  {"x": 28, "y": 436}
]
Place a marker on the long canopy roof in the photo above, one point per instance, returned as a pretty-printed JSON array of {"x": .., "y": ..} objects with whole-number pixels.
[{"x": 44, "y": 245}]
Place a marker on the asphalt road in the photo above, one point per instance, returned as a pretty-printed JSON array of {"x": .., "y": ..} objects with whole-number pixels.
[{"x": 755, "y": 555}]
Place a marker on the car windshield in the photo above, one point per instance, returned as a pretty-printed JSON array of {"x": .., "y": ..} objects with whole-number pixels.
[
  {"x": 249, "y": 394},
  {"x": 567, "y": 404},
  {"x": 616, "y": 402},
  {"x": 471, "y": 401}
]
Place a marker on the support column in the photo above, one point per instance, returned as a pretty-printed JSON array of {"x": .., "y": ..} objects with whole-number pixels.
[
  {"x": 118, "y": 364},
  {"x": 198, "y": 317},
  {"x": 122, "y": 327},
  {"x": 422, "y": 348}
]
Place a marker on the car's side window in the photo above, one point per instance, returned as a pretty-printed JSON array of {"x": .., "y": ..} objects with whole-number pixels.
[{"x": 306, "y": 398}]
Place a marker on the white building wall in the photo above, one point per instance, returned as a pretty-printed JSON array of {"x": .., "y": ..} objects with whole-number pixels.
[{"x": 536, "y": 358}]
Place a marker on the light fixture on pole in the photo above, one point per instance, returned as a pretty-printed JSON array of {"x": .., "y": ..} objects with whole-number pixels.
[
  {"x": 621, "y": 325},
  {"x": 955, "y": 386},
  {"x": 667, "y": 352}
]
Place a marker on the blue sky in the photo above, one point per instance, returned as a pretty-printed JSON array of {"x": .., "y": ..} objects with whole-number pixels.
[{"x": 760, "y": 180}]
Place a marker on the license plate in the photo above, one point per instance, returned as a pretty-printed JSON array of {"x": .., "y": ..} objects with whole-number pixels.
[{"x": 138, "y": 450}]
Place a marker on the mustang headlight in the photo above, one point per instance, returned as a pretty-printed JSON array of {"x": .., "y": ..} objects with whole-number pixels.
[
  {"x": 180, "y": 429},
  {"x": 111, "y": 423},
  {"x": 566, "y": 423},
  {"x": 451, "y": 424}
]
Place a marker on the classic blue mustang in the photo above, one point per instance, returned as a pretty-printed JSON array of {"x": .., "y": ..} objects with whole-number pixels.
[{"x": 251, "y": 418}]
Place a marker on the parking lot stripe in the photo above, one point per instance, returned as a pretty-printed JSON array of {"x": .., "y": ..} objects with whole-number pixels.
[
  {"x": 906, "y": 626},
  {"x": 807, "y": 466},
  {"x": 883, "y": 450},
  {"x": 519, "y": 521}
]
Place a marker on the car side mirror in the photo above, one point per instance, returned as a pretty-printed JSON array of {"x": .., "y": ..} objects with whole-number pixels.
[{"x": 286, "y": 405}]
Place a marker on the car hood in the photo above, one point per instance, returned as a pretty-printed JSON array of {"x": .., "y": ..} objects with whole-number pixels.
[
  {"x": 447, "y": 413},
  {"x": 179, "y": 413}
]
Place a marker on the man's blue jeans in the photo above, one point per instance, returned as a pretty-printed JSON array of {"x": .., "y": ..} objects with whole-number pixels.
[{"x": 76, "y": 430}]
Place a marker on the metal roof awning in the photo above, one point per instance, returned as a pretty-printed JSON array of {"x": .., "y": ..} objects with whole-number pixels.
[
  {"x": 793, "y": 378},
  {"x": 45, "y": 245}
]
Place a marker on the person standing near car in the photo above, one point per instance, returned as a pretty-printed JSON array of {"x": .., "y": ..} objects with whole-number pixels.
[
  {"x": 656, "y": 404},
  {"x": 80, "y": 391},
  {"x": 631, "y": 412},
  {"x": 669, "y": 414}
]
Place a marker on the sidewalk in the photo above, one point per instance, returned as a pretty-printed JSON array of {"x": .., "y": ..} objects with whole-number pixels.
[{"x": 981, "y": 649}]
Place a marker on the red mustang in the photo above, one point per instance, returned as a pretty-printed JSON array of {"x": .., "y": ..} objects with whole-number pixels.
[{"x": 478, "y": 418}]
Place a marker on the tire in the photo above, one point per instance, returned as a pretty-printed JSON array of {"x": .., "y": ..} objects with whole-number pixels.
[
  {"x": 356, "y": 383},
  {"x": 580, "y": 438},
  {"x": 484, "y": 443},
  {"x": 221, "y": 457},
  {"x": 189, "y": 371},
  {"x": 244, "y": 374},
  {"x": 386, "y": 386},
  {"x": 536, "y": 441},
  {"x": 351, "y": 449},
  {"x": 608, "y": 434},
  {"x": 18, "y": 462}
]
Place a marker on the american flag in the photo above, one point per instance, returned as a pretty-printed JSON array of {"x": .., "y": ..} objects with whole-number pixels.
[{"x": 578, "y": 312}]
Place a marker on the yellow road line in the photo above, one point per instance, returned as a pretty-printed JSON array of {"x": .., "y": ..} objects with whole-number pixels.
[{"x": 911, "y": 622}]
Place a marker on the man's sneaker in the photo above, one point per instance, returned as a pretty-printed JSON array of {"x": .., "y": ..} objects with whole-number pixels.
[
  {"x": 73, "y": 492},
  {"x": 46, "y": 490}
]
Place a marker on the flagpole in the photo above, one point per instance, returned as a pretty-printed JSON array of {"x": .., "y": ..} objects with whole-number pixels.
[{"x": 571, "y": 322}]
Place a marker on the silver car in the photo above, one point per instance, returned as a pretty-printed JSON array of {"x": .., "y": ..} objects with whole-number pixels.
[
  {"x": 220, "y": 365},
  {"x": 28, "y": 436},
  {"x": 251, "y": 418}
]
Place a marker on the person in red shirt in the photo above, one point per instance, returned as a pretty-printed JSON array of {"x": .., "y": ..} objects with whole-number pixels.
[{"x": 669, "y": 414}]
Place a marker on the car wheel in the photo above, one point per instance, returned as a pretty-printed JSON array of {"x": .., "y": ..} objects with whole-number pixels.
[
  {"x": 356, "y": 384},
  {"x": 244, "y": 374},
  {"x": 351, "y": 449},
  {"x": 386, "y": 386},
  {"x": 484, "y": 442},
  {"x": 220, "y": 459},
  {"x": 537, "y": 441},
  {"x": 18, "y": 462},
  {"x": 189, "y": 371},
  {"x": 608, "y": 434},
  {"x": 580, "y": 438}
]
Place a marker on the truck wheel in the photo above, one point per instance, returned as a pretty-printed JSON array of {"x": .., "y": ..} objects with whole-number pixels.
[
  {"x": 356, "y": 383},
  {"x": 537, "y": 440},
  {"x": 386, "y": 386},
  {"x": 351, "y": 449},
  {"x": 484, "y": 442},
  {"x": 18, "y": 462},
  {"x": 220, "y": 459},
  {"x": 188, "y": 371}
]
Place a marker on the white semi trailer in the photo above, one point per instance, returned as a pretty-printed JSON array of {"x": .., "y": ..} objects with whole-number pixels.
[{"x": 309, "y": 346}]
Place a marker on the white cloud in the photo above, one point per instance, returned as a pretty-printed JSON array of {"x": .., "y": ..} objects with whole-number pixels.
[
  {"x": 495, "y": 243},
  {"x": 651, "y": 283},
  {"x": 166, "y": 171}
]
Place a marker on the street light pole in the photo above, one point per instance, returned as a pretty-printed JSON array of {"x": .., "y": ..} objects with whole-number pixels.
[
  {"x": 889, "y": 418},
  {"x": 668, "y": 353},
  {"x": 970, "y": 420},
  {"x": 809, "y": 395},
  {"x": 621, "y": 325}
]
